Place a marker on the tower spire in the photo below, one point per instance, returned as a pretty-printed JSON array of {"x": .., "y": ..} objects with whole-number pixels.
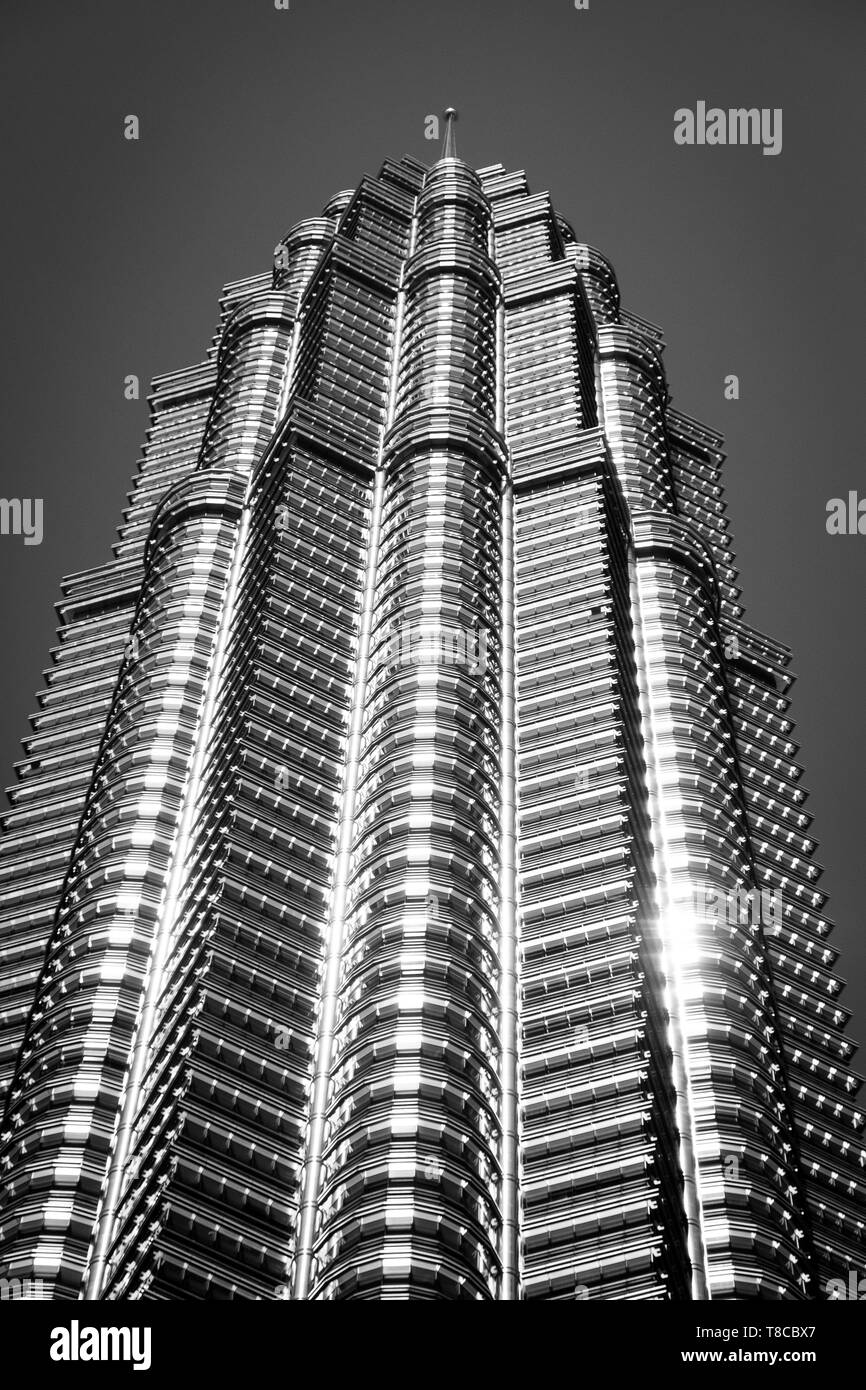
[{"x": 449, "y": 147}]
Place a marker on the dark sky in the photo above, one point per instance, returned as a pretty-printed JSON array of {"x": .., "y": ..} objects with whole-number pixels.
[{"x": 114, "y": 253}]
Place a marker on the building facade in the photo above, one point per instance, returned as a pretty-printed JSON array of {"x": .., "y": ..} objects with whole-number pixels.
[{"x": 407, "y": 891}]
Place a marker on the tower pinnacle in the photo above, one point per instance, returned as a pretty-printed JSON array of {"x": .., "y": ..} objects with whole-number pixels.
[{"x": 449, "y": 148}]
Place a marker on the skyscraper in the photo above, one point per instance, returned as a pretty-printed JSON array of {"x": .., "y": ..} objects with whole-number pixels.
[{"x": 407, "y": 891}]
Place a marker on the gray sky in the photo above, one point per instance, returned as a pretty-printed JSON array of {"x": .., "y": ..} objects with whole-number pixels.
[{"x": 115, "y": 252}]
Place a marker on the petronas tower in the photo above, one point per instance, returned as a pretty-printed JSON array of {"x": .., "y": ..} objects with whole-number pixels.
[{"x": 407, "y": 891}]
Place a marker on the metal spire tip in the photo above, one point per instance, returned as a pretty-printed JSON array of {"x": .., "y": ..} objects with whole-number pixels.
[{"x": 449, "y": 148}]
